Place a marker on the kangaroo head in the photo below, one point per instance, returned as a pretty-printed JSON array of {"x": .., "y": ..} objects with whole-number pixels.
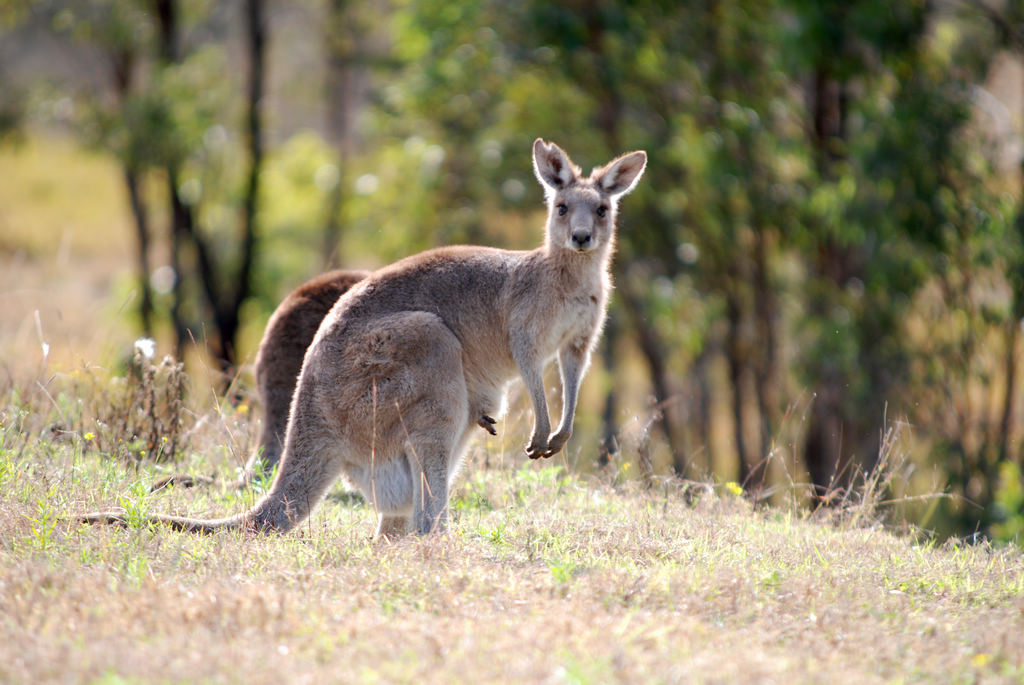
[{"x": 581, "y": 210}]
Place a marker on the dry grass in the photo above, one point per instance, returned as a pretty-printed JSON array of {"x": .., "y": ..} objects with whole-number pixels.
[{"x": 544, "y": 577}]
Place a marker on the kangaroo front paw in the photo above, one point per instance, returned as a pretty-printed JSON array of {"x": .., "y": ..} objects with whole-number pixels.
[
  {"x": 487, "y": 423},
  {"x": 540, "y": 447},
  {"x": 556, "y": 442},
  {"x": 536, "y": 448}
]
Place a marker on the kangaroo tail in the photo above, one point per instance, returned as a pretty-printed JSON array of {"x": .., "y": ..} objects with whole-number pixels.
[
  {"x": 182, "y": 523},
  {"x": 271, "y": 514}
]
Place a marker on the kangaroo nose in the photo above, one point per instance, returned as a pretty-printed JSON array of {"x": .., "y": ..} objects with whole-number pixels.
[{"x": 581, "y": 239}]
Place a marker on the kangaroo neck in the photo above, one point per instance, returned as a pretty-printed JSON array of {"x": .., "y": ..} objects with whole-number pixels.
[{"x": 574, "y": 269}]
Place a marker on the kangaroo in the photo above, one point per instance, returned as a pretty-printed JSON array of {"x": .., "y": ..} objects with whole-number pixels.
[{"x": 416, "y": 355}]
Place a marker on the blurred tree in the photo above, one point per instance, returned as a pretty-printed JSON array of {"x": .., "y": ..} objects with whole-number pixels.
[
  {"x": 486, "y": 77},
  {"x": 599, "y": 49},
  {"x": 341, "y": 48},
  {"x": 169, "y": 121},
  {"x": 713, "y": 108},
  {"x": 121, "y": 30},
  {"x": 888, "y": 110},
  {"x": 11, "y": 98},
  {"x": 907, "y": 237},
  {"x": 225, "y": 288},
  {"x": 1009, "y": 24},
  {"x": 740, "y": 214},
  {"x": 978, "y": 443}
]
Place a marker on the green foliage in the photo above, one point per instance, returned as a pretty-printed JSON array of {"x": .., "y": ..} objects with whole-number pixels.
[
  {"x": 1009, "y": 503},
  {"x": 136, "y": 505},
  {"x": 562, "y": 570},
  {"x": 263, "y": 479},
  {"x": 493, "y": 535},
  {"x": 45, "y": 521},
  {"x": 6, "y": 467},
  {"x": 295, "y": 183}
]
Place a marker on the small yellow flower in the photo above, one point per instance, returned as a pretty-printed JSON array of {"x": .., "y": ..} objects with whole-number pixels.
[
  {"x": 163, "y": 439},
  {"x": 90, "y": 436},
  {"x": 243, "y": 409},
  {"x": 142, "y": 453},
  {"x": 734, "y": 487},
  {"x": 981, "y": 660}
]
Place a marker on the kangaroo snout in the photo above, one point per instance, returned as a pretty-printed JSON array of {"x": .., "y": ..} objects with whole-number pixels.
[
  {"x": 582, "y": 239},
  {"x": 581, "y": 230}
]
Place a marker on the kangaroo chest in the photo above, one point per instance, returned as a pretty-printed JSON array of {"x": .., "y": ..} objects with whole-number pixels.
[{"x": 573, "y": 319}]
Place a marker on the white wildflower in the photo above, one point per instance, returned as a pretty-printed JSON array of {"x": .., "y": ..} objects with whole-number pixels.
[{"x": 146, "y": 347}]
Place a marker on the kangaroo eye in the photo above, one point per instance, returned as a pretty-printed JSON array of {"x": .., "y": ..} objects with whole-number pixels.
[
  {"x": 562, "y": 209},
  {"x": 602, "y": 210}
]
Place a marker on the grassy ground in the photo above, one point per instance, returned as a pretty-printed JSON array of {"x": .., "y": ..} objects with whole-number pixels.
[{"x": 543, "y": 577}]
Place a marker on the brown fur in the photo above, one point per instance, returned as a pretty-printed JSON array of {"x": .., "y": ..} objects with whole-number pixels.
[
  {"x": 416, "y": 354},
  {"x": 289, "y": 332}
]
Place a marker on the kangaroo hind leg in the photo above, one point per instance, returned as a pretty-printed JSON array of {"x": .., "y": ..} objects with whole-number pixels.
[
  {"x": 438, "y": 427},
  {"x": 432, "y": 459},
  {"x": 434, "y": 419},
  {"x": 412, "y": 406}
]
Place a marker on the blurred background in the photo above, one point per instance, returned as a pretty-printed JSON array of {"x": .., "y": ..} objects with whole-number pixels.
[{"x": 821, "y": 272}]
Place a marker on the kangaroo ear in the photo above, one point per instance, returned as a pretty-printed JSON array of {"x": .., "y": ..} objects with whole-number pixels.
[
  {"x": 621, "y": 175},
  {"x": 552, "y": 166}
]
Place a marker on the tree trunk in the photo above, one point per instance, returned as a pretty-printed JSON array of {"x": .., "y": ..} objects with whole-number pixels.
[
  {"x": 167, "y": 24},
  {"x": 700, "y": 374},
  {"x": 823, "y": 446},
  {"x": 1006, "y": 420},
  {"x": 824, "y": 443},
  {"x": 608, "y": 450},
  {"x": 338, "y": 42},
  {"x": 228, "y": 316},
  {"x": 735, "y": 357},
  {"x": 650, "y": 346},
  {"x": 178, "y": 238},
  {"x": 766, "y": 375},
  {"x": 131, "y": 179},
  {"x": 123, "y": 62},
  {"x": 225, "y": 309}
]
